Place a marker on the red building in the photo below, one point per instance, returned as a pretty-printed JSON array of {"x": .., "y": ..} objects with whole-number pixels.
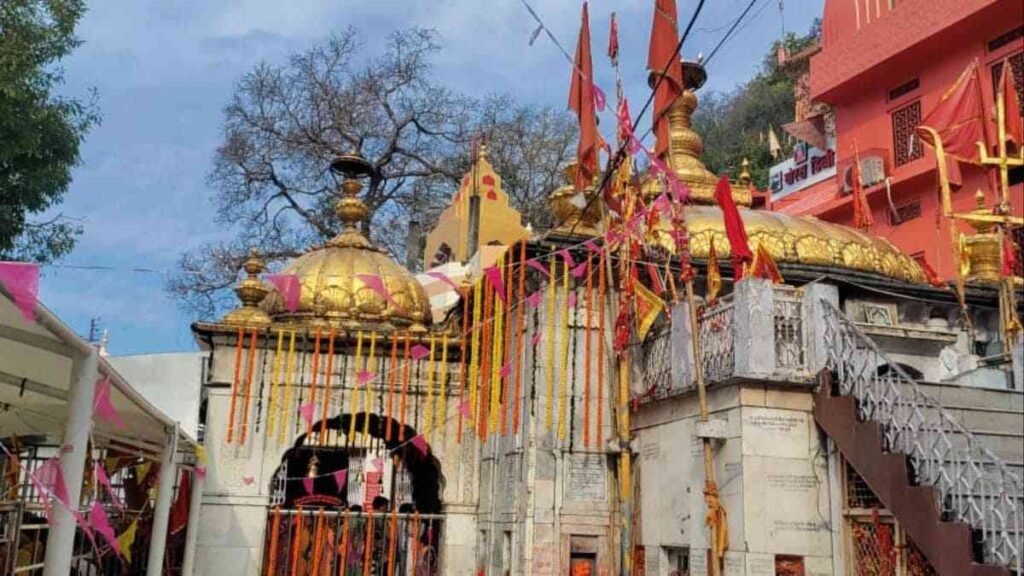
[{"x": 882, "y": 66}]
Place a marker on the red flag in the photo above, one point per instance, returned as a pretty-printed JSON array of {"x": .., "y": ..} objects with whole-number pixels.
[
  {"x": 1013, "y": 117},
  {"x": 179, "y": 510},
  {"x": 739, "y": 248},
  {"x": 664, "y": 39},
  {"x": 581, "y": 100},
  {"x": 931, "y": 274},
  {"x": 862, "y": 217},
  {"x": 958, "y": 118},
  {"x": 1009, "y": 262},
  {"x": 764, "y": 266},
  {"x": 613, "y": 38}
]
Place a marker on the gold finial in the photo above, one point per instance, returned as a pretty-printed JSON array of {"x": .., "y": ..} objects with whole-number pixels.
[
  {"x": 251, "y": 291},
  {"x": 982, "y": 247},
  {"x": 745, "y": 172},
  {"x": 482, "y": 151},
  {"x": 350, "y": 208}
]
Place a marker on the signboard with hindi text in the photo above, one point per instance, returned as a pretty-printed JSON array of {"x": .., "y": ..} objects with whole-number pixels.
[{"x": 807, "y": 166}]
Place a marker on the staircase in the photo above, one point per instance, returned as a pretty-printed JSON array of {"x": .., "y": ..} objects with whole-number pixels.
[{"x": 962, "y": 505}]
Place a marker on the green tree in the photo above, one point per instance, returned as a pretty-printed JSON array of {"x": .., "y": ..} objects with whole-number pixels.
[
  {"x": 734, "y": 124},
  {"x": 40, "y": 131}
]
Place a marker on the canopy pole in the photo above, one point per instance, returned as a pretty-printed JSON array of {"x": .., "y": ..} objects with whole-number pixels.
[
  {"x": 162, "y": 508},
  {"x": 192, "y": 528},
  {"x": 60, "y": 540}
]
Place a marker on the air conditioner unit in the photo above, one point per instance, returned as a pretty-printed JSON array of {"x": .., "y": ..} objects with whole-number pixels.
[{"x": 872, "y": 171}]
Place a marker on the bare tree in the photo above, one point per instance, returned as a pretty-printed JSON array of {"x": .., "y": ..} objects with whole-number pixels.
[{"x": 286, "y": 122}]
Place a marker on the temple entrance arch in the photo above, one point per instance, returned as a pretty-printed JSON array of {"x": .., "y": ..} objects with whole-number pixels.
[{"x": 407, "y": 477}]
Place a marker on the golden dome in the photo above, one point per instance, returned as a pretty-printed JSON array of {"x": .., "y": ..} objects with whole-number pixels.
[
  {"x": 332, "y": 293},
  {"x": 802, "y": 240}
]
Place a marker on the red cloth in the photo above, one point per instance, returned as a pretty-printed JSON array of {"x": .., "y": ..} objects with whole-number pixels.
[
  {"x": 581, "y": 100},
  {"x": 959, "y": 117},
  {"x": 179, "y": 510},
  {"x": 1009, "y": 262},
  {"x": 764, "y": 266},
  {"x": 739, "y": 248},
  {"x": 664, "y": 39},
  {"x": 613, "y": 38},
  {"x": 931, "y": 274},
  {"x": 862, "y": 217},
  {"x": 1012, "y": 106}
]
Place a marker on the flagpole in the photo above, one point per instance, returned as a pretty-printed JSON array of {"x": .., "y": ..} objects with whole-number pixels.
[{"x": 714, "y": 568}]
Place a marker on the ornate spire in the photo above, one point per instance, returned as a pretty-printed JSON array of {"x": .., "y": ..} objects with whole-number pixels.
[
  {"x": 350, "y": 209},
  {"x": 251, "y": 291}
]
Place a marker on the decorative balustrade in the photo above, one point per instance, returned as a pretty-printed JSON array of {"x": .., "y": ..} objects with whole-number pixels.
[
  {"x": 788, "y": 320},
  {"x": 717, "y": 341},
  {"x": 973, "y": 484}
]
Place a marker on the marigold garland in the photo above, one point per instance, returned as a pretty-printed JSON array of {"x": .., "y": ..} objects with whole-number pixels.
[{"x": 235, "y": 383}]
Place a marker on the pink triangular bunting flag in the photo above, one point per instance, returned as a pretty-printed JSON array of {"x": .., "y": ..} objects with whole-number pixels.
[
  {"x": 571, "y": 300},
  {"x": 580, "y": 270},
  {"x": 505, "y": 370},
  {"x": 103, "y": 404},
  {"x": 567, "y": 256},
  {"x": 248, "y": 480},
  {"x": 378, "y": 464},
  {"x": 376, "y": 283},
  {"x": 419, "y": 443},
  {"x": 419, "y": 352},
  {"x": 534, "y": 299},
  {"x": 444, "y": 278},
  {"x": 363, "y": 377},
  {"x": 21, "y": 280},
  {"x": 536, "y": 265},
  {"x": 307, "y": 411},
  {"x": 494, "y": 278},
  {"x": 535, "y": 339},
  {"x": 340, "y": 477},
  {"x": 289, "y": 287},
  {"x": 307, "y": 483},
  {"x": 465, "y": 409},
  {"x": 104, "y": 480},
  {"x": 201, "y": 471},
  {"x": 100, "y": 523},
  {"x": 592, "y": 246}
]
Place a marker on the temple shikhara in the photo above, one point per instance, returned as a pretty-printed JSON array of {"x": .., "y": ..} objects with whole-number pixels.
[{"x": 684, "y": 376}]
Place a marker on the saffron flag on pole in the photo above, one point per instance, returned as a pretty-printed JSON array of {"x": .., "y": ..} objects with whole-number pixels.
[
  {"x": 662, "y": 56},
  {"x": 1011, "y": 107},
  {"x": 714, "y": 275},
  {"x": 581, "y": 101},
  {"x": 958, "y": 118},
  {"x": 739, "y": 247},
  {"x": 862, "y": 217},
  {"x": 179, "y": 510},
  {"x": 764, "y": 266},
  {"x": 613, "y": 38},
  {"x": 126, "y": 540},
  {"x": 648, "y": 307}
]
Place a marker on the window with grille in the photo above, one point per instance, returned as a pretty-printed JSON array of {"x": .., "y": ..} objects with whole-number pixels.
[
  {"x": 904, "y": 213},
  {"x": 905, "y": 144},
  {"x": 1004, "y": 39},
  {"x": 904, "y": 89}
]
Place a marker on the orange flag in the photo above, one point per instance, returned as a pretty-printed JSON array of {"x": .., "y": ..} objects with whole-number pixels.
[
  {"x": 664, "y": 39},
  {"x": 931, "y": 274},
  {"x": 1014, "y": 120},
  {"x": 648, "y": 307},
  {"x": 958, "y": 118},
  {"x": 714, "y": 274},
  {"x": 581, "y": 100},
  {"x": 764, "y": 266},
  {"x": 862, "y": 217}
]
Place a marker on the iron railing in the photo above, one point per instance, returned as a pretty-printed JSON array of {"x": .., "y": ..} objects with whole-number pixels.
[
  {"x": 717, "y": 341},
  {"x": 314, "y": 541},
  {"x": 973, "y": 484}
]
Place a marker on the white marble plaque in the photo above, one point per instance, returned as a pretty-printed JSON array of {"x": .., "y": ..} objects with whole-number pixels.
[{"x": 587, "y": 478}]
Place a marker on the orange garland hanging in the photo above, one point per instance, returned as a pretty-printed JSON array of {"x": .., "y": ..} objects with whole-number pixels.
[
  {"x": 415, "y": 537},
  {"x": 392, "y": 382},
  {"x": 343, "y": 547},
  {"x": 601, "y": 263},
  {"x": 588, "y": 307},
  {"x": 296, "y": 542},
  {"x": 275, "y": 536},
  {"x": 234, "y": 383},
  {"x": 507, "y": 344},
  {"x": 318, "y": 542},
  {"x": 247, "y": 392},
  {"x": 368, "y": 547},
  {"x": 485, "y": 357},
  {"x": 313, "y": 375},
  {"x": 520, "y": 332},
  {"x": 327, "y": 387},
  {"x": 462, "y": 362},
  {"x": 392, "y": 539}
]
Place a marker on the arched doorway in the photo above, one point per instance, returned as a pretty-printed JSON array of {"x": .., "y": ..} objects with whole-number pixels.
[{"x": 356, "y": 496}]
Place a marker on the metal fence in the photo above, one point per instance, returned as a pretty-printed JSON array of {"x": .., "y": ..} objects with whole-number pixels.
[
  {"x": 973, "y": 484},
  {"x": 303, "y": 542},
  {"x": 787, "y": 313}
]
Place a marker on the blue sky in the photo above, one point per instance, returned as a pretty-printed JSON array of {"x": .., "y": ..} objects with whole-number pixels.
[{"x": 165, "y": 68}]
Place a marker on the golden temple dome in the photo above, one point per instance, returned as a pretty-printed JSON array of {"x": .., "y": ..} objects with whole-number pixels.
[
  {"x": 336, "y": 278},
  {"x": 789, "y": 239}
]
